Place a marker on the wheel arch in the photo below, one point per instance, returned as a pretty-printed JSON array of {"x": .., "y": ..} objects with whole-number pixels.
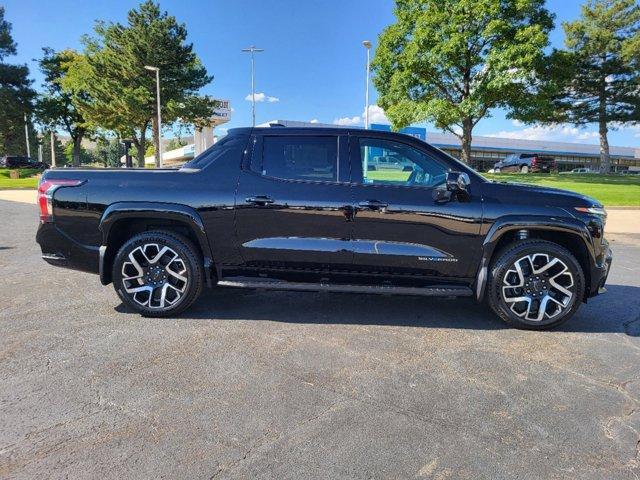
[
  {"x": 122, "y": 220},
  {"x": 568, "y": 233}
]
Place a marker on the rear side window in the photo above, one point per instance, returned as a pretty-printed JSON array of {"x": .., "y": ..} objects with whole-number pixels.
[
  {"x": 230, "y": 145},
  {"x": 299, "y": 158}
]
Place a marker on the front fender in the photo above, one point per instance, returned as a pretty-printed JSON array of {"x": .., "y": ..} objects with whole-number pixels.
[
  {"x": 511, "y": 223},
  {"x": 151, "y": 210}
]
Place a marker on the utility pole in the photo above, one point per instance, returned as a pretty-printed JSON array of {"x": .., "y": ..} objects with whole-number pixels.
[
  {"x": 367, "y": 45},
  {"x": 26, "y": 134},
  {"x": 253, "y": 49},
  {"x": 157, "y": 70}
]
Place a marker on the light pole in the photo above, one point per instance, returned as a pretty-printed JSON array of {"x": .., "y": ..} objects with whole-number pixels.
[
  {"x": 367, "y": 45},
  {"x": 53, "y": 148},
  {"x": 157, "y": 70},
  {"x": 26, "y": 134},
  {"x": 253, "y": 49}
]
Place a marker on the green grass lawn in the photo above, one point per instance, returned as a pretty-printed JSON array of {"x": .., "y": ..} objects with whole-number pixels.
[
  {"x": 27, "y": 180},
  {"x": 610, "y": 190}
]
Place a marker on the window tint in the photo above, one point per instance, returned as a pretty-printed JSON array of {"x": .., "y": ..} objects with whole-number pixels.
[
  {"x": 299, "y": 158},
  {"x": 233, "y": 144},
  {"x": 390, "y": 163}
]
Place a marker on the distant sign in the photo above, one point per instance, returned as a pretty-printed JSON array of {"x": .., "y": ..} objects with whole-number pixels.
[{"x": 418, "y": 132}]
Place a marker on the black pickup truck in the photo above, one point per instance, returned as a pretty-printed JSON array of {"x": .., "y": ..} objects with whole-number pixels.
[{"x": 319, "y": 209}]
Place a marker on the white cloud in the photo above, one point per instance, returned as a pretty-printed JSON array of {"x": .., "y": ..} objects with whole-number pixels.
[
  {"x": 376, "y": 115},
  {"x": 315, "y": 120},
  {"x": 261, "y": 97},
  {"x": 626, "y": 127},
  {"x": 348, "y": 121},
  {"x": 553, "y": 133}
]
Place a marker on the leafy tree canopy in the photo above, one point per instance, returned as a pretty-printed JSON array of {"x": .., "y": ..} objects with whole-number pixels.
[
  {"x": 596, "y": 79},
  {"x": 451, "y": 61},
  {"x": 16, "y": 96},
  {"x": 121, "y": 93},
  {"x": 56, "y": 107}
]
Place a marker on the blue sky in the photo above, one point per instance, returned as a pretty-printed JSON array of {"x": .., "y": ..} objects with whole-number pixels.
[{"x": 312, "y": 67}]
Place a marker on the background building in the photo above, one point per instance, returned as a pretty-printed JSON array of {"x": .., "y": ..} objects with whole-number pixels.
[{"x": 486, "y": 151}]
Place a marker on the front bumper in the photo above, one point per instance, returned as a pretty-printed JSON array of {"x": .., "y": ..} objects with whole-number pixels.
[{"x": 599, "y": 273}]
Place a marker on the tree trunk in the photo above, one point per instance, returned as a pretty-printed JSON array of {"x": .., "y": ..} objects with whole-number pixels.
[
  {"x": 140, "y": 148},
  {"x": 467, "y": 128},
  {"x": 77, "y": 141},
  {"x": 605, "y": 158},
  {"x": 156, "y": 139},
  {"x": 140, "y": 144}
]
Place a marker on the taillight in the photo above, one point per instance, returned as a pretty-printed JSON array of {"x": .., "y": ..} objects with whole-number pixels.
[{"x": 45, "y": 196}]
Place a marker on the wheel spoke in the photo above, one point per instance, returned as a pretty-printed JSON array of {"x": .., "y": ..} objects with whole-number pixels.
[
  {"x": 155, "y": 276},
  {"x": 544, "y": 285}
]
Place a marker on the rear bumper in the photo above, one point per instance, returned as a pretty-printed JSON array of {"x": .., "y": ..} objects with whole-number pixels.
[
  {"x": 599, "y": 273},
  {"x": 62, "y": 251}
]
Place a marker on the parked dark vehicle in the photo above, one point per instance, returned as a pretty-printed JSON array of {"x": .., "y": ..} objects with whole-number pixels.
[
  {"x": 14, "y": 161},
  {"x": 298, "y": 209},
  {"x": 525, "y": 163}
]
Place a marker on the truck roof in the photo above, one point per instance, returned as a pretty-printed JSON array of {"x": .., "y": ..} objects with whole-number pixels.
[{"x": 277, "y": 129}]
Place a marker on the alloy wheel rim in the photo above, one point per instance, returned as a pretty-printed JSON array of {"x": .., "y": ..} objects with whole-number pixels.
[
  {"x": 154, "y": 276},
  {"x": 538, "y": 287}
]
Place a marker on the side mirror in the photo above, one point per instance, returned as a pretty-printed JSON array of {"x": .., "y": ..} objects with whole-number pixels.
[{"x": 457, "y": 182}]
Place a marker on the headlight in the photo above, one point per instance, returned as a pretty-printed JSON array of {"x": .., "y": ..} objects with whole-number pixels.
[{"x": 592, "y": 210}]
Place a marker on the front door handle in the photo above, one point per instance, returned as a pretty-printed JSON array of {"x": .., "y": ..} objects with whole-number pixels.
[
  {"x": 259, "y": 200},
  {"x": 373, "y": 205}
]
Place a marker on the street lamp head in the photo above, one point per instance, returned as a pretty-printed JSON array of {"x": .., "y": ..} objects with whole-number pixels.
[
  {"x": 367, "y": 44},
  {"x": 150, "y": 68},
  {"x": 252, "y": 48}
]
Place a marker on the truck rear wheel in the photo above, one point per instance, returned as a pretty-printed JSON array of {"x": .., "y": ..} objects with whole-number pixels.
[
  {"x": 158, "y": 273},
  {"x": 535, "y": 285}
]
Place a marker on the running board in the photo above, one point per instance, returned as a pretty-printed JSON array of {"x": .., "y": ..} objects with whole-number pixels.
[{"x": 436, "y": 291}]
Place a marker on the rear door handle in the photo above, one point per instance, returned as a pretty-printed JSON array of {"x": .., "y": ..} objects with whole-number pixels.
[
  {"x": 259, "y": 200},
  {"x": 373, "y": 204}
]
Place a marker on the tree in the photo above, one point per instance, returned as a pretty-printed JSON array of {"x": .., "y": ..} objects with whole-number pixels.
[
  {"x": 597, "y": 78},
  {"x": 70, "y": 154},
  {"x": 108, "y": 151},
  {"x": 122, "y": 94},
  {"x": 46, "y": 149},
  {"x": 16, "y": 96},
  {"x": 57, "y": 106},
  {"x": 451, "y": 61}
]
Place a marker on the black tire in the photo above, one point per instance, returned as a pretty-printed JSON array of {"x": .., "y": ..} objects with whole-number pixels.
[
  {"x": 539, "y": 285},
  {"x": 187, "y": 264}
]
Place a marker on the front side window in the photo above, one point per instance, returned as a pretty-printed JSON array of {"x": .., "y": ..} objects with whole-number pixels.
[
  {"x": 386, "y": 162},
  {"x": 299, "y": 158}
]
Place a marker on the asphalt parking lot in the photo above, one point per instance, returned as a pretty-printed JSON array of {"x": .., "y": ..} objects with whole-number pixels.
[{"x": 283, "y": 385}]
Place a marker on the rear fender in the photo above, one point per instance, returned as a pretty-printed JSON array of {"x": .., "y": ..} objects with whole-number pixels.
[{"x": 152, "y": 210}]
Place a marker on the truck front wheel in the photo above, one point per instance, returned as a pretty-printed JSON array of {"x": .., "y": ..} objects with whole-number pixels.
[
  {"x": 158, "y": 273},
  {"x": 535, "y": 285}
]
